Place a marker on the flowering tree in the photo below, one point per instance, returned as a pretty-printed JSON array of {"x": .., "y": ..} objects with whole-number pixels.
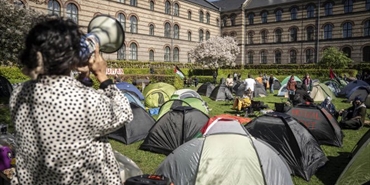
[
  {"x": 216, "y": 52},
  {"x": 15, "y": 22}
]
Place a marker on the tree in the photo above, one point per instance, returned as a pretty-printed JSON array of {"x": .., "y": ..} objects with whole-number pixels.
[
  {"x": 334, "y": 58},
  {"x": 15, "y": 22},
  {"x": 216, "y": 52}
]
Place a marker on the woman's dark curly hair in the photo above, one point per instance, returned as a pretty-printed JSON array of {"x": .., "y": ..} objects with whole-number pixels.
[{"x": 58, "y": 41}]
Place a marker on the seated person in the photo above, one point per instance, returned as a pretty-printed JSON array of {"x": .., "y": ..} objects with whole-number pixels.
[
  {"x": 243, "y": 102},
  {"x": 353, "y": 117},
  {"x": 301, "y": 95},
  {"x": 328, "y": 104}
]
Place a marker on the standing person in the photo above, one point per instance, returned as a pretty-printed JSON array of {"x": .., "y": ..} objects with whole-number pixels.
[
  {"x": 61, "y": 124},
  {"x": 271, "y": 82},
  {"x": 308, "y": 82},
  {"x": 151, "y": 70},
  {"x": 196, "y": 81},
  {"x": 250, "y": 83},
  {"x": 235, "y": 76},
  {"x": 229, "y": 82},
  {"x": 291, "y": 87},
  {"x": 259, "y": 79},
  {"x": 265, "y": 81},
  {"x": 356, "y": 115},
  {"x": 215, "y": 77}
]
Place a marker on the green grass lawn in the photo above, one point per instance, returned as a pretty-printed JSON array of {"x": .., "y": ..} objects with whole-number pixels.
[{"x": 327, "y": 175}]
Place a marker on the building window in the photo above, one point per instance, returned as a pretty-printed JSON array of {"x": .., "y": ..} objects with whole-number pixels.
[
  {"x": 189, "y": 15},
  {"x": 133, "y": 51},
  {"x": 263, "y": 57},
  {"x": 121, "y": 53},
  {"x": 367, "y": 28},
  {"x": 264, "y": 17},
  {"x": 200, "y": 35},
  {"x": 250, "y": 18},
  {"x": 19, "y": 4},
  {"x": 233, "y": 34},
  {"x": 208, "y": 17},
  {"x": 167, "y": 30},
  {"x": 310, "y": 33},
  {"x": 348, "y": 6},
  {"x": 167, "y": 54},
  {"x": 217, "y": 22},
  {"x": 189, "y": 36},
  {"x": 293, "y": 56},
  {"x": 176, "y": 31},
  {"x": 367, "y": 5},
  {"x": 151, "y": 5},
  {"x": 250, "y": 38},
  {"x": 293, "y": 13},
  {"x": 133, "y": 3},
  {"x": 347, "y": 51},
  {"x": 121, "y": 1},
  {"x": 208, "y": 35},
  {"x": 263, "y": 37},
  {"x": 72, "y": 12},
  {"x": 309, "y": 55},
  {"x": 293, "y": 34},
  {"x": 151, "y": 29},
  {"x": 278, "y": 15},
  {"x": 224, "y": 21},
  {"x": 151, "y": 55},
  {"x": 224, "y": 34},
  {"x": 176, "y": 10},
  {"x": 176, "y": 55},
  {"x": 329, "y": 8},
  {"x": 277, "y": 57},
  {"x": 122, "y": 19},
  {"x": 53, "y": 8},
  {"x": 250, "y": 57},
  {"x": 201, "y": 15},
  {"x": 328, "y": 29},
  {"x": 310, "y": 11},
  {"x": 278, "y": 36},
  {"x": 366, "y": 54},
  {"x": 167, "y": 9},
  {"x": 347, "y": 30},
  {"x": 232, "y": 19},
  {"x": 133, "y": 24}
]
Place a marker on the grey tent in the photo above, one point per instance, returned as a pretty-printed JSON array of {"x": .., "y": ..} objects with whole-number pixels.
[
  {"x": 174, "y": 128},
  {"x": 277, "y": 84},
  {"x": 222, "y": 93},
  {"x": 137, "y": 129},
  {"x": 226, "y": 154},
  {"x": 292, "y": 140},
  {"x": 361, "y": 92},
  {"x": 239, "y": 88},
  {"x": 206, "y": 89},
  {"x": 259, "y": 90},
  {"x": 320, "y": 122},
  {"x": 357, "y": 170}
]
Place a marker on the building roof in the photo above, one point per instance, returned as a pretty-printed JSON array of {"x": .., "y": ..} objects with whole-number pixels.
[
  {"x": 264, "y": 3},
  {"x": 227, "y": 5},
  {"x": 204, "y": 3}
]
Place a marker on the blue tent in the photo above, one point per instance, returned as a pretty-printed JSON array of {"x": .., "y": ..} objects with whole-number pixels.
[
  {"x": 124, "y": 86},
  {"x": 346, "y": 91},
  {"x": 133, "y": 99}
]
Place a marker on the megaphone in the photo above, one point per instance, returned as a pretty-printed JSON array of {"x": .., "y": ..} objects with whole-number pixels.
[{"x": 105, "y": 31}]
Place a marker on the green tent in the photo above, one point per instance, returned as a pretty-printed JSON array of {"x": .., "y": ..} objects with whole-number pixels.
[
  {"x": 157, "y": 93},
  {"x": 190, "y": 101},
  {"x": 320, "y": 91},
  {"x": 286, "y": 79},
  {"x": 357, "y": 170}
]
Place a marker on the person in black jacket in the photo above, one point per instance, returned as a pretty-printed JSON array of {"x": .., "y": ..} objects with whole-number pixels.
[{"x": 301, "y": 95}]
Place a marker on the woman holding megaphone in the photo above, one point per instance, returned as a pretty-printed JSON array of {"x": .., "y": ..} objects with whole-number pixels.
[{"x": 61, "y": 124}]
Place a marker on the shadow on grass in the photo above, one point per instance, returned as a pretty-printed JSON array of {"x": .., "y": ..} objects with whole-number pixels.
[{"x": 335, "y": 167}]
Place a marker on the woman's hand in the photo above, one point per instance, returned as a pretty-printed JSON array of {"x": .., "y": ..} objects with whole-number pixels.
[{"x": 98, "y": 66}]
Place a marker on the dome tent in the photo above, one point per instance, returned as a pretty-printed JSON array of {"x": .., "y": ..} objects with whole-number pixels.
[{"x": 155, "y": 94}]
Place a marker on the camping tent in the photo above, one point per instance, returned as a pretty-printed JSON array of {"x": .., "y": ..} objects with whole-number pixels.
[
  {"x": 320, "y": 122},
  {"x": 218, "y": 159},
  {"x": 347, "y": 89},
  {"x": 286, "y": 79},
  {"x": 239, "y": 88},
  {"x": 357, "y": 170},
  {"x": 156, "y": 94},
  {"x": 206, "y": 89},
  {"x": 174, "y": 128},
  {"x": 221, "y": 92},
  {"x": 277, "y": 84},
  {"x": 127, "y": 167},
  {"x": 320, "y": 91},
  {"x": 334, "y": 86},
  {"x": 137, "y": 129},
  {"x": 259, "y": 90},
  {"x": 361, "y": 92},
  {"x": 191, "y": 101},
  {"x": 292, "y": 140},
  {"x": 124, "y": 86},
  {"x": 185, "y": 93},
  {"x": 132, "y": 98},
  {"x": 6, "y": 87}
]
